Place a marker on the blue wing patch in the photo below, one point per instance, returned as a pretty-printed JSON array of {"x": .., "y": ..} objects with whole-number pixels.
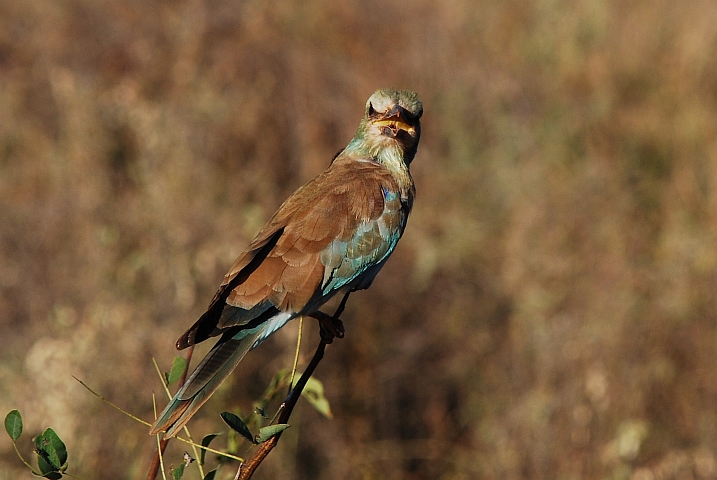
[{"x": 359, "y": 258}]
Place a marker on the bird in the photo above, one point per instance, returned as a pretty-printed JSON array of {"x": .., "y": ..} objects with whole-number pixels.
[{"x": 330, "y": 237}]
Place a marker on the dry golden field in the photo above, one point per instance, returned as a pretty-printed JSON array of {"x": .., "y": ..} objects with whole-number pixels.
[{"x": 550, "y": 313}]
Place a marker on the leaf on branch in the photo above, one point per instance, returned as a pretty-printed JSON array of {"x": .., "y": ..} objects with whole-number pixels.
[
  {"x": 237, "y": 425},
  {"x": 49, "y": 475},
  {"x": 265, "y": 433},
  {"x": 179, "y": 364},
  {"x": 210, "y": 475},
  {"x": 44, "y": 463},
  {"x": 51, "y": 454},
  {"x": 177, "y": 472},
  {"x": 314, "y": 393},
  {"x": 205, "y": 443},
  {"x": 13, "y": 424}
]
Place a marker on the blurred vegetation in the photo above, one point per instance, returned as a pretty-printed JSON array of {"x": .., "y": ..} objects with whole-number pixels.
[{"x": 549, "y": 314}]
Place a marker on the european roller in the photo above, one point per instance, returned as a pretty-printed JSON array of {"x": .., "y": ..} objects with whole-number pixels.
[{"x": 331, "y": 236}]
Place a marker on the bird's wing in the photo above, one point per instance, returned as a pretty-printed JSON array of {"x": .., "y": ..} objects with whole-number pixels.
[
  {"x": 243, "y": 268},
  {"x": 334, "y": 229},
  {"x": 326, "y": 235}
]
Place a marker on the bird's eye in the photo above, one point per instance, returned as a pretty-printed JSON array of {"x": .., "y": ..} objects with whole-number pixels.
[{"x": 371, "y": 111}]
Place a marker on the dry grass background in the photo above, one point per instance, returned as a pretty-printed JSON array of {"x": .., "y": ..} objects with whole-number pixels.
[{"x": 550, "y": 313}]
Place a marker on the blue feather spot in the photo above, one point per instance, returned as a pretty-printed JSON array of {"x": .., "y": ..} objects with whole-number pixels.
[{"x": 389, "y": 195}]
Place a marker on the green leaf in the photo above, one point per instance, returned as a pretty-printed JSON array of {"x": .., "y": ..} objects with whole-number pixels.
[
  {"x": 177, "y": 472},
  {"x": 49, "y": 475},
  {"x": 314, "y": 393},
  {"x": 13, "y": 424},
  {"x": 179, "y": 364},
  {"x": 237, "y": 425},
  {"x": 265, "y": 433},
  {"x": 210, "y": 475},
  {"x": 51, "y": 452},
  {"x": 44, "y": 463},
  {"x": 205, "y": 443}
]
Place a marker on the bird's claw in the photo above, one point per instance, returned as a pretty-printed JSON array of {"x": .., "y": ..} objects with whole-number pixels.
[{"x": 330, "y": 327}]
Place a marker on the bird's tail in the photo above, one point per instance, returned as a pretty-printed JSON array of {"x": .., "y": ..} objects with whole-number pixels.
[{"x": 204, "y": 380}]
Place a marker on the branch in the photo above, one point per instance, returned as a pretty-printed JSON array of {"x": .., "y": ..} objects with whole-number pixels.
[{"x": 246, "y": 469}]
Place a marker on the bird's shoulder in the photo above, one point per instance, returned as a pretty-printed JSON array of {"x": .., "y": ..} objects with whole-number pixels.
[
  {"x": 333, "y": 205},
  {"x": 358, "y": 185}
]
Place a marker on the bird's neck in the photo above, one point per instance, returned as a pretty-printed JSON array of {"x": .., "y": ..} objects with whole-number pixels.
[{"x": 391, "y": 156}]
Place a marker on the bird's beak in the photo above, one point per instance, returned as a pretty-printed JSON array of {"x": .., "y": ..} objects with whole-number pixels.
[{"x": 395, "y": 120}]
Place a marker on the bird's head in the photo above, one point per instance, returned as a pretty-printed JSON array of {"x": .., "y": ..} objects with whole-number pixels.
[{"x": 391, "y": 120}]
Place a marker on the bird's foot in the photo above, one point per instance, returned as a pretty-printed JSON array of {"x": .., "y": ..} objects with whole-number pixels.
[{"x": 330, "y": 327}]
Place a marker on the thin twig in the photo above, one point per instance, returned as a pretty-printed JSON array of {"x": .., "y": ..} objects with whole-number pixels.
[
  {"x": 109, "y": 402},
  {"x": 200, "y": 466},
  {"x": 160, "y": 448},
  {"x": 298, "y": 349},
  {"x": 164, "y": 382},
  {"x": 209, "y": 449},
  {"x": 22, "y": 459}
]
